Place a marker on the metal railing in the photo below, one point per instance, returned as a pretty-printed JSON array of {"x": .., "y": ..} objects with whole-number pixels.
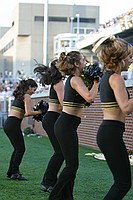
[{"x": 3, "y": 110}]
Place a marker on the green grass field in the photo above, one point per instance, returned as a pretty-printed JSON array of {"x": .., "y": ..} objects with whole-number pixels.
[{"x": 92, "y": 181}]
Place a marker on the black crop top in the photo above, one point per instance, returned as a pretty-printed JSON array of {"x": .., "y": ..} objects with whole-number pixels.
[
  {"x": 107, "y": 96},
  {"x": 18, "y": 105},
  {"x": 71, "y": 97},
  {"x": 53, "y": 95}
]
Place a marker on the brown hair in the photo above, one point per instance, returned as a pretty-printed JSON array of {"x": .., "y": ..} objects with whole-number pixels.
[
  {"x": 22, "y": 88},
  {"x": 66, "y": 62}
]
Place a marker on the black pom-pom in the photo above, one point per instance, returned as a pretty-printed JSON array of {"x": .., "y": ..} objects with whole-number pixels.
[{"x": 43, "y": 106}]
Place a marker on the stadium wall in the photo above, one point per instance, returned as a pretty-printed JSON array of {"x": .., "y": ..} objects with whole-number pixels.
[{"x": 91, "y": 120}]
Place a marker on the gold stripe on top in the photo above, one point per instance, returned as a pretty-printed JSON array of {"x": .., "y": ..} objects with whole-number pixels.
[
  {"x": 109, "y": 105},
  {"x": 17, "y": 109},
  {"x": 54, "y": 101},
  {"x": 72, "y": 104}
]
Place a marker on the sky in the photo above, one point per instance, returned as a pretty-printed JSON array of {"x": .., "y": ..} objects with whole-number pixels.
[{"x": 108, "y": 9}]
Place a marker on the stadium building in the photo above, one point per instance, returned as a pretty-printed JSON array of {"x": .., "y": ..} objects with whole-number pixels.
[{"x": 32, "y": 33}]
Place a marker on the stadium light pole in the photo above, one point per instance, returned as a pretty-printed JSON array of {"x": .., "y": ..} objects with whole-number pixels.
[
  {"x": 77, "y": 15},
  {"x": 72, "y": 18},
  {"x": 45, "y": 35}
]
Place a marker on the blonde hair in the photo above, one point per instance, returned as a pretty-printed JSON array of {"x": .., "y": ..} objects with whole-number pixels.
[{"x": 112, "y": 52}]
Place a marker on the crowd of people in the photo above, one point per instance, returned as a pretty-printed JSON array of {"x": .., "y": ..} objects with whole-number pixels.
[
  {"x": 7, "y": 88},
  {"x": 125, "y": 21},
  {"x": 66, "y": 103}
]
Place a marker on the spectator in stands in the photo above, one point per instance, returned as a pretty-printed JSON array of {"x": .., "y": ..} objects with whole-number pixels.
[
  {"x": 21, "y": 107},
  {"x": 1, "y": 87},
  {"x": 116, "y": 55}
]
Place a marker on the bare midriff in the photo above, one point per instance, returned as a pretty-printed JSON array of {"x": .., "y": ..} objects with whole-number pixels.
[
  {"x": 16, "y": 113},
  {"x": 76, "y": 111},
  {"x": 55, "y": 107},
  {"x": 113, "y": 114}
]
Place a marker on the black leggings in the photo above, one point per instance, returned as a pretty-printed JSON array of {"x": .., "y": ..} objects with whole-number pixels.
[
  {"x": 66, "y": 133},
  {"x": 110, "y": 141},
  {"x": 12, "y": 128},
  {"x": 56, "y": 160}
]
